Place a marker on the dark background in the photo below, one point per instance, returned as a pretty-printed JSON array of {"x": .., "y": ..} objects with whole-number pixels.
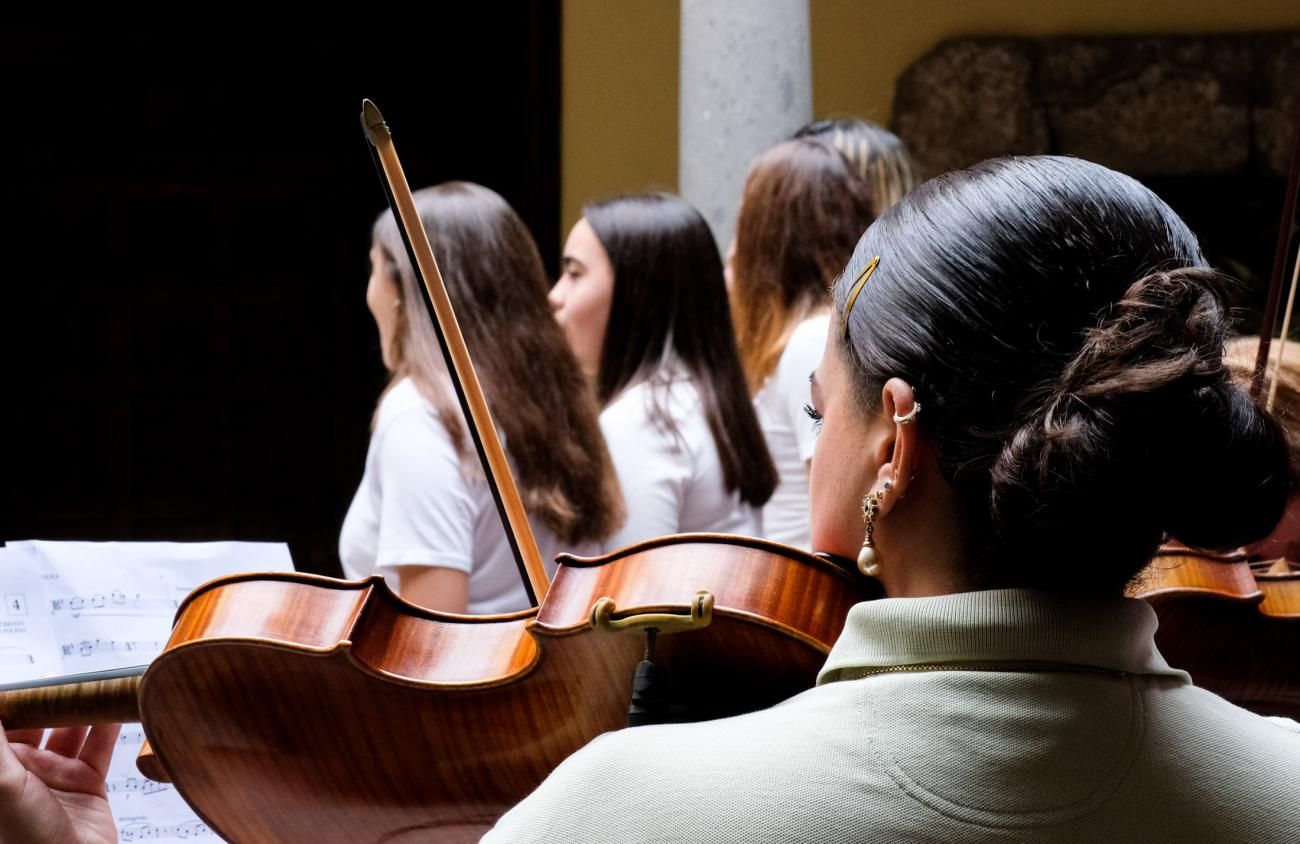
[{"x": 187, "y": 351}]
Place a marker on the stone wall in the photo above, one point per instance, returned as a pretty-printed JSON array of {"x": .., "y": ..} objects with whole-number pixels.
[{"x": 1148, "y": 106}]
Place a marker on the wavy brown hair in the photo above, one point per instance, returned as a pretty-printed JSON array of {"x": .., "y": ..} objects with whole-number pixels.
[
  {"x": 803, "y": 210},
  {"x": 538, "y": 395}
]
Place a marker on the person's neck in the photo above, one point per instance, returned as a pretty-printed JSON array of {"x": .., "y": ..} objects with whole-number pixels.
[{"x": 921, "y": 547}]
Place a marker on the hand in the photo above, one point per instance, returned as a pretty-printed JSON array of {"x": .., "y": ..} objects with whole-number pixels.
[{"x": 56, "y": 795}]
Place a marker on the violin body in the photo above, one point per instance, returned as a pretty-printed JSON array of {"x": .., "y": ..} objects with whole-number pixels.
[
  {"x": 299, "y": 708},
  {"x": 1275, "y": 683},
  {"x": 1229, "y": 623}
]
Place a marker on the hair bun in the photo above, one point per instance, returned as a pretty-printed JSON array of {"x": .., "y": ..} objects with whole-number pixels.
[{"x": 1145, "y": 416}]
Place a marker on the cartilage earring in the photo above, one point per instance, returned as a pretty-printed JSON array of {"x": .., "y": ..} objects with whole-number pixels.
[
  {"x": 869, "y": 557},
  {"x": 909, "y": 416}
]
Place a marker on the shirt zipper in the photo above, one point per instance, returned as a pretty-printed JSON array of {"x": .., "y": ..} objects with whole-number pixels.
[{"x": 1022, "y": 667}]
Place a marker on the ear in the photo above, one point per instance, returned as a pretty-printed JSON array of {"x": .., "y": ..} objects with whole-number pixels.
[{"x": 897, "y": 454}]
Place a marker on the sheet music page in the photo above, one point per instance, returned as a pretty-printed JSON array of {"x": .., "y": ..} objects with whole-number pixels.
[{"x": 72, "y": 607}]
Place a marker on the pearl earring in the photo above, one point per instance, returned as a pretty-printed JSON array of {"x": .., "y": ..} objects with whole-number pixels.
[{"x": 869, "y": 557}]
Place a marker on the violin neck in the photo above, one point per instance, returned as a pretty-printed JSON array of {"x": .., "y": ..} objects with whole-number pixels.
[{"x": 101, "y": 697}]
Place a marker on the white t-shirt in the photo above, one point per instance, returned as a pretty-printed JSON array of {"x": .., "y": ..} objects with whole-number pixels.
[
  {"x": 789, "y": 431},
  {"x": 670, "y": 475},
  {"x": 416, "y": 507}
]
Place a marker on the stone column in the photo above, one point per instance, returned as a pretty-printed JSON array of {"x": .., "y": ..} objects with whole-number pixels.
[{"x": 746, "y": 84}]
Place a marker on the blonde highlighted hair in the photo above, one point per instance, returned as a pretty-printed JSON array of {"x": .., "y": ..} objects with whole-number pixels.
[{"x": 876, "y": 154}]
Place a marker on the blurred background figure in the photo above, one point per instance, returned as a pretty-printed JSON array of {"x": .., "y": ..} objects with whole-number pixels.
[
  {"x": 644, "y": 306},
  {"x": 805, "y": 205}
]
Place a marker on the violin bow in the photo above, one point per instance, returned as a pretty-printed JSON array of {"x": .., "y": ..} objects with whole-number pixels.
[
  {"x": 1284, "y": 229},
  {"x": 468, "y": 391},
  {"x": 1284, "y": 333}
]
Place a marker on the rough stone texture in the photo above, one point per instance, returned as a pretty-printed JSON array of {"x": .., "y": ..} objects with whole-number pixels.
[
  {"x": 968, "y": 100},
  {"x": 1278, "y": 102},
  {"x": 1149, "y": 106},
  {"x": 746, "y": 84}
]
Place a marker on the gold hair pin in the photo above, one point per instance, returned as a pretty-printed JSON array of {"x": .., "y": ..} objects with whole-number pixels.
[{"x": 858, "y": 283}]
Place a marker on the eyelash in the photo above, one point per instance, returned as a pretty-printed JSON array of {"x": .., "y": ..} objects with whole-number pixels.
[{"x": 815, "y": 417}]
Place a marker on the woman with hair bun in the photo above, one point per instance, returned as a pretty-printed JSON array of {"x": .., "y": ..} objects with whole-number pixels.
[{"x": 1023, "y": 392}]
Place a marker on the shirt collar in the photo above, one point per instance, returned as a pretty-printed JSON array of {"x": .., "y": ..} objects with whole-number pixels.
[{"x": 1001, "y": 625}]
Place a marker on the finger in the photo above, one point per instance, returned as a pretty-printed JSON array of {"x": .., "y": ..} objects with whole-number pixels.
[
  {"x": 59, "y": 772},
  {"x": 32, "y": 736},
  {"x": 9, "y": 765},
  {"x": 98, "y": 749},
  {"x": 67, "y": 741}
]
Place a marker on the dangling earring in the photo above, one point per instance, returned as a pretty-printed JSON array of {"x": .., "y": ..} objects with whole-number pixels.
[{"x": 869, "y": 557}]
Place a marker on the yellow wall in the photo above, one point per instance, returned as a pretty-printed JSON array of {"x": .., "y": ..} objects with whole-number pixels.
[
  {"x": 619, "y": 123},
  {"x": 618, "y": 127}
]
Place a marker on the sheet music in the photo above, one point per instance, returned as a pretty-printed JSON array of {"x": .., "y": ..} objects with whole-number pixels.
[
  {"x": 72, "y": 607},
  {"x": 28, "y": 649}
]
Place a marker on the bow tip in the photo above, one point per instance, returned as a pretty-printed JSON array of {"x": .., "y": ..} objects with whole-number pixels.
[{"x": 371, "y": 118}]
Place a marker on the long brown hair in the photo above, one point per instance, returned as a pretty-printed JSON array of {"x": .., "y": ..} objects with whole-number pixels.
[
  {"x": 803, "y": 210},
  {"x": 670, "y": 302},
  {"x": 537, "y": 393}
]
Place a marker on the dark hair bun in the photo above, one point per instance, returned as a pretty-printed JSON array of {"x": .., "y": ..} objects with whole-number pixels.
[{"x": 1144, "y": 417}]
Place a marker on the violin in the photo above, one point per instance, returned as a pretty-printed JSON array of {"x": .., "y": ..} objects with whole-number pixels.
[
  {"x": 1232, "y": 624},
  {"x": 292, "y": 707}
]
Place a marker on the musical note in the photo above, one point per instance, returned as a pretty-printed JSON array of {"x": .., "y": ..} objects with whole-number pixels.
[
  {"x": 110, "y": 646},
  {"x": 142, "y": 831},
  {"x": 114, "y": 603},
  {"x": 135, "y": 785}
]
